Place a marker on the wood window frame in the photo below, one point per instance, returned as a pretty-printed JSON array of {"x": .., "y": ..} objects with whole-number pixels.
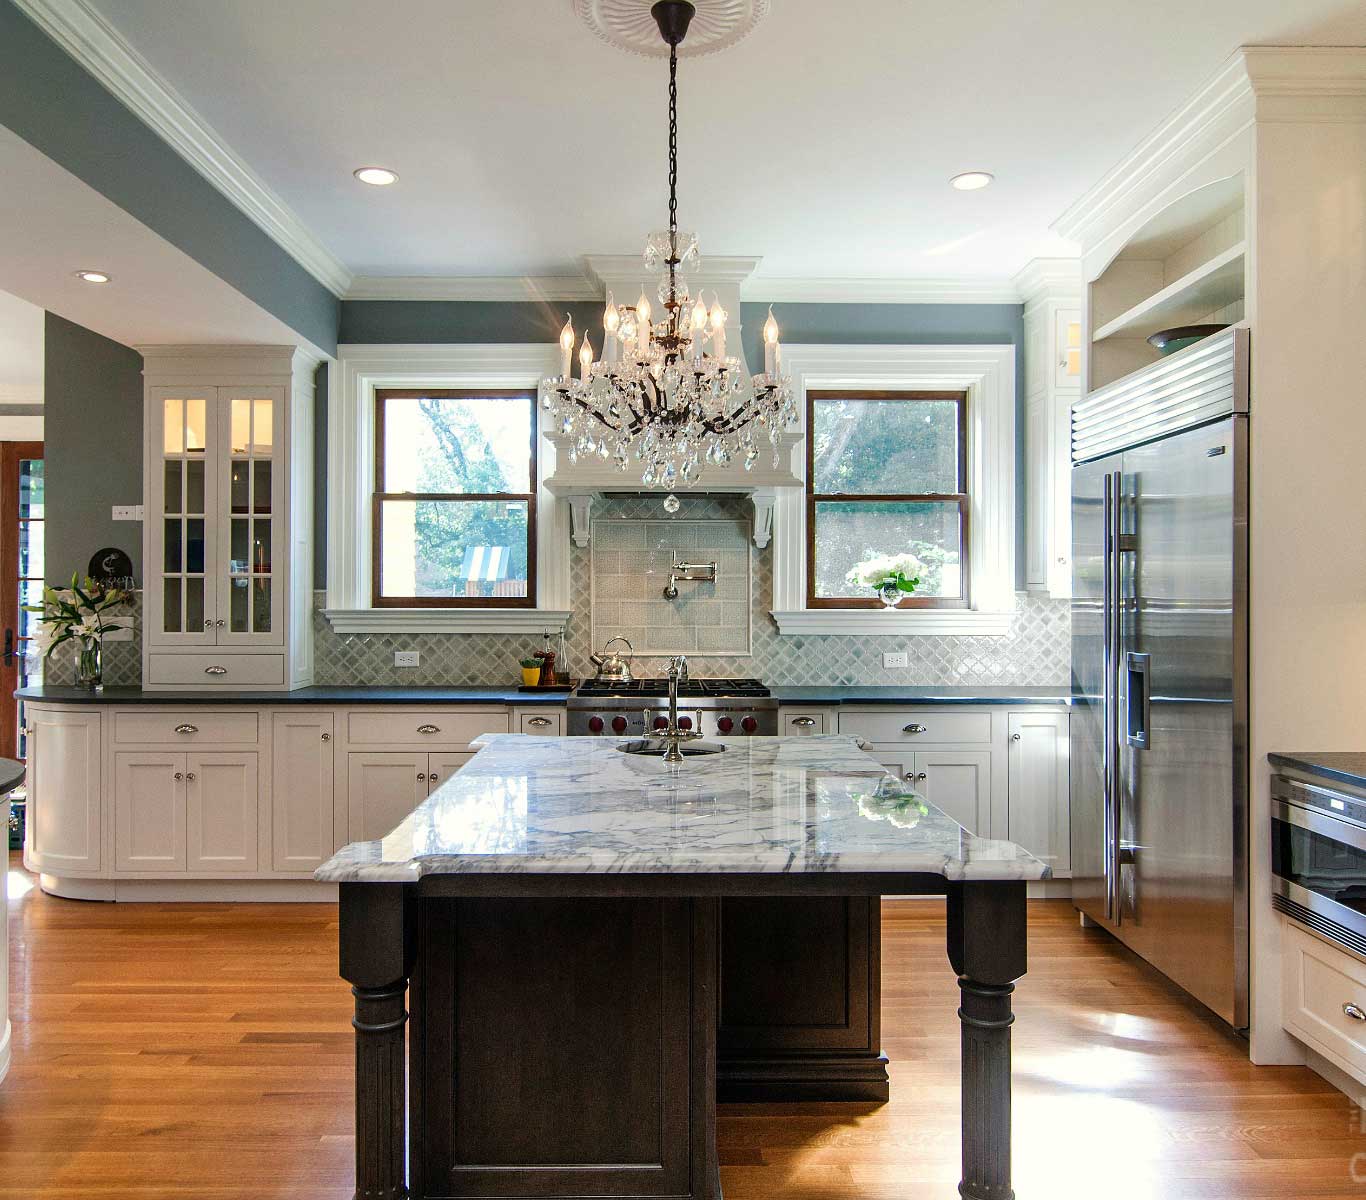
[
  {"x": 379, "y": 496},
  {"x": 962, "y": 498}
]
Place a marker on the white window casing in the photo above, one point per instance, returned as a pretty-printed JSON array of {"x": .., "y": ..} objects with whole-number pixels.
[{"x": 987, "y": 375}]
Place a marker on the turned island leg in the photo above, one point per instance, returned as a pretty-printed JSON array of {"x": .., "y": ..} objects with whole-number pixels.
[
  {"x": 375, "y": 955},
  {"x": 986, "y": 943}
]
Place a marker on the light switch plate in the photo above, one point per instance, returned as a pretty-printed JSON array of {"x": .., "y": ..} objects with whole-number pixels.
[
  {"x": 127, "y": 512},
  {"x": 895, "y": 660},
  {"x": 406, "y": 658}
]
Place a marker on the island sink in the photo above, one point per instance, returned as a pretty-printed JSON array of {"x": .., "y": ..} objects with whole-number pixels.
[
  {"x": 600, "y": 945},
  {"x": 659, "y": 746}
]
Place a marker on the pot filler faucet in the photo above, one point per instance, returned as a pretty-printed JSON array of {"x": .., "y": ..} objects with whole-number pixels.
[
  {"x": 672, "y": 734},
  {"x": 688, "y": 573}
]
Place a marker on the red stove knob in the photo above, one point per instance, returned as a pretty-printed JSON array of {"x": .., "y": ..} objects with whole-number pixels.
[
  {"x": 594, "y": 724},
  {"x": 661, "y": 722},
  {"x": 725, "y": 724},
  {"x": 749, "y": 724},
  {"x": 685, "y": 722},
  {"x": 618, "y": 724}
]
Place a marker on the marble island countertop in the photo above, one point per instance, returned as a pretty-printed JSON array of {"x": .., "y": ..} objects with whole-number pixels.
[{"x": 573, "y": 806}]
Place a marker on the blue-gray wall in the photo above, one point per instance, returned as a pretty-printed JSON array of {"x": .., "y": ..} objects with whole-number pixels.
[
  {"x": 55, "y": 105},
  {"x": 92, "y": 446},
  {"x": 434, "y": 321}
]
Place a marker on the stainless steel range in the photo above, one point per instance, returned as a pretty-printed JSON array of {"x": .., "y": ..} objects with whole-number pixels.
[{"x": 712, "y": 707}]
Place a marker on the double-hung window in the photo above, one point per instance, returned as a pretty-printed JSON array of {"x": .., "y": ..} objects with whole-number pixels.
[
  {"x": 887, "y": 475},
  {"x": 454, "y": 505}
]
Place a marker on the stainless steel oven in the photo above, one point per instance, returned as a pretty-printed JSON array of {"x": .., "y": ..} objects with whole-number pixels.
[{"x": 1318, "y": 859}]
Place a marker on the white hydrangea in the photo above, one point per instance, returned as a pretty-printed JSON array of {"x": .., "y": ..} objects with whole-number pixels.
[{"x": 884, "y": 568}]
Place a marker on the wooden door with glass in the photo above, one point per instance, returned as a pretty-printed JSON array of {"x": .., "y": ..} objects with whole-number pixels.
[{"x": 21, "y": 581}]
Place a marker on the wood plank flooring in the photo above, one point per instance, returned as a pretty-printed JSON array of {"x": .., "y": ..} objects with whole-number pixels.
[{"x": 171, "y": 1052}]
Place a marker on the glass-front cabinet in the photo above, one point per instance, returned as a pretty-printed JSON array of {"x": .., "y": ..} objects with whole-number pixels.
[{"x": 218, "y": 499}]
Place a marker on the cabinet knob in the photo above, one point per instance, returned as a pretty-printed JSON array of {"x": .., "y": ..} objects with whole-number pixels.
[
  {"x": 178, "y": 775},
  {"x": 327, "y": 737},
  {"x": 421, "y": 776},
  {"x": 208, "y": 624},
  {"x": 1015, "y": 737},
  {"x": 431, "y": 728},
  {"x": 804, "y": 722},
  {"x": 539, "y": 722},
  {"x": 220, "y": 623},
  {"x": 914, "y": 728},
  {"x": 187, "y": 728},
  {"x": 1062, "y": 560},
  {"x": 189, "y": 774},
  {"x": 1354, "y": 1011},
  {"x": 215, "y": 670},
  {"x": 916, "y": 776}
]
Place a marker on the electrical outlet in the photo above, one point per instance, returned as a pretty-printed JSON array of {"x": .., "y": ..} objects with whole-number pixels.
[
  {"x": 895, "y": 660},
  {"x": 127, "y": 512},
  {"x": 406, "y": 658}
]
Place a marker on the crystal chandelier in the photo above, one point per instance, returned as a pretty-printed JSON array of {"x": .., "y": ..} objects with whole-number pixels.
[{"x": 665, "y": 392}]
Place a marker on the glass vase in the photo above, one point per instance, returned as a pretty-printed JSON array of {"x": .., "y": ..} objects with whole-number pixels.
[
  {"x": 890, "y": 594},
  {"x": 90, "y": 667}
]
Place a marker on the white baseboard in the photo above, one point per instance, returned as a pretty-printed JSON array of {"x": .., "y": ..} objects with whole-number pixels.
[{"x": 191, "y": 891}]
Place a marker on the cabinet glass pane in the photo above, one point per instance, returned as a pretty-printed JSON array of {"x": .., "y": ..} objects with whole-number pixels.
[
  {"x": 241, "y": 483},
  {"x": 260, "y": 488},
  {"x": 195, "y": 426},
  {"x": 241, "y": 426},
  {"x": 173, "y": 557},
  {"x": 262, "y": 431},
  {"x": 260, "y": 604},
  {"x": 239, "y": 559},
  {"x": 170, "y": 605},
  {"x": 194, "y": 604},
  {"x": 194, "y": 546},
  {"x": 194, "y": 486},
  {"x": 260, "y": 559},
  {"x": 173, "y": 421},
  {"x": 172, "y": 489},
  {"x": 238, "y": 615}
]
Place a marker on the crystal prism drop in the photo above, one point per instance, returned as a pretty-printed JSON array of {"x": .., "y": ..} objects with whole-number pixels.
[{"x": 671, "y": 503}]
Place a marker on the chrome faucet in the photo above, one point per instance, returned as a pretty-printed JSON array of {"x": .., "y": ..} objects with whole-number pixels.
[{"x": 672, "y": 734}]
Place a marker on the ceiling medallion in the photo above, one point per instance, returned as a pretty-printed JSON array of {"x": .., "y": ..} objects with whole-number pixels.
[
  {"x": 665, "y": 391},
  {"x": 628, "y": 25}
]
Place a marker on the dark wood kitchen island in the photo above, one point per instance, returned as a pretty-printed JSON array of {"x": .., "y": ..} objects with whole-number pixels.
[{"x": 594, "y": 942}]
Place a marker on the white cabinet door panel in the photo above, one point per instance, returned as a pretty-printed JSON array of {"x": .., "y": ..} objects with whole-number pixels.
[
  {"x": 149, "y": 811},
  {"x": 440, "y": 767},
  {"x": 303, "y": 835},
  {"x": 383, "y": 789},
  {"x": 65, "y": 792},
  {"x": 959, "y": 782},
  {"x": 1039, "y": 790},
  {"x": 222, "y": 791}
]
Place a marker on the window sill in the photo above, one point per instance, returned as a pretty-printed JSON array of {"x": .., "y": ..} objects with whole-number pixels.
[
  {"x": 446, "y": 620},
  {"x": 938, "y": 623}
]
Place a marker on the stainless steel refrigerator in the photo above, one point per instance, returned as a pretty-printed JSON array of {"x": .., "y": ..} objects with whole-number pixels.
[{"x": 1159, "y": 666}]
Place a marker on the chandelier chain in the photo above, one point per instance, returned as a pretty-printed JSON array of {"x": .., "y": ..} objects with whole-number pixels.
[{"x": 673, "y": 166}]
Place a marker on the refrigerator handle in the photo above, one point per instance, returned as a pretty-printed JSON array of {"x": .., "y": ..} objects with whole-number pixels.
[
  {"x": 1138, "y": 700},
  {"x": 1111, "y": 638}
]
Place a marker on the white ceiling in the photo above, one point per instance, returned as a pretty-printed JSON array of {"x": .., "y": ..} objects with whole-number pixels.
[{"x": 823, "y": 142}]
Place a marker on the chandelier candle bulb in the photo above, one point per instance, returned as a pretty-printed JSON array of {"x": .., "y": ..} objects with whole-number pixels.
[
  {"x": 585, "y": 359},
  {"x": 567, "y": 349},
  {"x": 611, "y": 322},
  {"x": 718, "y": 329},
  {"x": 699, "y": 329},
  {"x": 643, "y": 330},
  {"x": 770, "y": 344}
]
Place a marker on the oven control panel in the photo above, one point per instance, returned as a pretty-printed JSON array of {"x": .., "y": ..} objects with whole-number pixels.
[{"x": 740, "y": 720}]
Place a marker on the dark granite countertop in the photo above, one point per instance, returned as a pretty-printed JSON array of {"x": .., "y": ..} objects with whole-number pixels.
[
  {"x": 902, "y": 696},
  {"x": 1343, "y": 766},
  {"x": 309, "y": 695},
  {"x": 11, "y": 775}
]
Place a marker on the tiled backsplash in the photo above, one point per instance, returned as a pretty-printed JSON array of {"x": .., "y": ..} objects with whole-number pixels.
[{"x": 1036, "y": 651}]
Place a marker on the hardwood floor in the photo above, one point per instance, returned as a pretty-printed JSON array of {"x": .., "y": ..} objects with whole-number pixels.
[{"x": 170, "y": 1052}]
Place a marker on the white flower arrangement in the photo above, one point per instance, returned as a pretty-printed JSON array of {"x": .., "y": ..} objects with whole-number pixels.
[
  {"x": 80, "y": 613},
  {"x": 903, "y": 570}
]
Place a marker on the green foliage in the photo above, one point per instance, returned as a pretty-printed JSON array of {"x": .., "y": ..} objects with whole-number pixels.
[{"x": 78, "y": 613}]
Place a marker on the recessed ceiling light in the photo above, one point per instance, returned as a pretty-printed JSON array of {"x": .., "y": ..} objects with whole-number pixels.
[
  {"x": 375, "y": 176},
  {"x": 970, "y": 181},
  {"x": 93, "y": 276}
]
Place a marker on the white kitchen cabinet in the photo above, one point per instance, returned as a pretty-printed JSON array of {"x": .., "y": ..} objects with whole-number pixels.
[
  {"x": 227, "y": 497},
  {"x": 149, "y": 811},
  {"x": 1040, "y": 809},
  {"x": 65, "y": 792},
  {"x": 383, "y": 789},
  {"x": 222, "y": 798},
  {"x": 440, "y": 767},
  {"x": 958, "y": 781},
  {"x": 303, "y": 834}
]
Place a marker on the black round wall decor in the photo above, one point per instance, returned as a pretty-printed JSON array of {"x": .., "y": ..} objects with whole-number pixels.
[{"x": 113, "y": 567}]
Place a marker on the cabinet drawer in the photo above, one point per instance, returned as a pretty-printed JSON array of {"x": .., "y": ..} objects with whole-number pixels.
[
  {"x": 216, "y": 670},
  {"x": 916, "y": 727},
  {"x": 185, "y": 727},
  {"x": 540, "y": 724},
  {"x": 796, "y": 722},
  {"x": 1320, "y": 984},
  {"x": 408, "y": 727}
]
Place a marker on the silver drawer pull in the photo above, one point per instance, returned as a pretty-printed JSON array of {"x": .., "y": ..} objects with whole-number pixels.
[
  {"x": 539, "y": 722},
  {"x": 1354, "y": 1011},
  {"x": 804, "y": 722},
  {"x": 913, "y": 728},
  {"x": 429, "y": 729},
  {"x": 187, "y": 728},
  {"x": 215, "y": 670}
]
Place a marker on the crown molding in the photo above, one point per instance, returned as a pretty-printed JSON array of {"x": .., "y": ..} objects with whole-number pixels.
[
  {"x": 794, "y": 290},
  {"x": 472, "y": 287},
  {"x": 1043, "y": 279},
  {"x": 102, "y": 51}
]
